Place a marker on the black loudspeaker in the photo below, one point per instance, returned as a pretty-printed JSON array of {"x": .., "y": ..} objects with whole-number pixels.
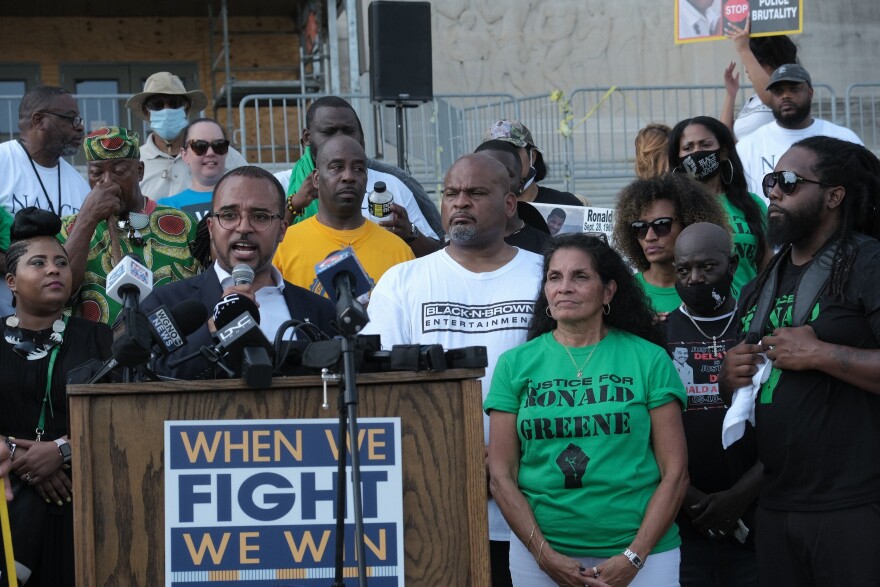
[{"x": 400, "y": 52}]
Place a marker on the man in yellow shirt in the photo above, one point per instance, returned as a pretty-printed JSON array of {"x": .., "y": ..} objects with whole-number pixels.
[{"x": 341, "y": 179}]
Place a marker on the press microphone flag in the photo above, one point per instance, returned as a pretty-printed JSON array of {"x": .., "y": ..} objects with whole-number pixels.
[
  {"x": 339, "y": 262},
  {"x": 129, "y": 273},
  {"x": 171, "y": 327}
]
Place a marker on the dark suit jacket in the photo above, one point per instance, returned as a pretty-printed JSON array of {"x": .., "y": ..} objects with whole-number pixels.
[{"x": 205, "y": 287}]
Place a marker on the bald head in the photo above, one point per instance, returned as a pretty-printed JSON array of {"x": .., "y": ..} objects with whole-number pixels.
[
  {"x": 341, "y": 181},
  {"x": 477, "y": 201},
  {"x": 703, "y": 236},
  {"x": 704, "y": 254}
]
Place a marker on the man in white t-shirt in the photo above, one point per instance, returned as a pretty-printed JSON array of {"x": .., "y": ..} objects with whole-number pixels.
[
  {"x": 791, "y": 97},
  {"x": 478, "y": 291},
  {"x": 32, "y": 170}
]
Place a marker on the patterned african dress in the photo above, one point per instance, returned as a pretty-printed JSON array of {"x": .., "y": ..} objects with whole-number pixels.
[{"x": 162, "y": 246}]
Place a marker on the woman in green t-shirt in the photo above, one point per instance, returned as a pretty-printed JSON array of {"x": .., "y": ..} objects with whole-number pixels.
[
  {"x": 704, "y": 148},
  {"x": 649, "y": 215},
  {"x": 587, "y": 455}
]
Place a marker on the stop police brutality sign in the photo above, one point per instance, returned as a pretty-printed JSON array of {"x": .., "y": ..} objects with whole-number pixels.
[{"x": 707, "y": 20}]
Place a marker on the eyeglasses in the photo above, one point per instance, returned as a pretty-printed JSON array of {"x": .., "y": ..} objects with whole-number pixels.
[
  {"x": 787, "y": 182},
  {"x": 73, "y": 120},
  {"x": 662, "y": 227},
  {"x": 158, "y": 102},
  {"x": 230, "y": 219},
  {"x": 200, "y": 147}
]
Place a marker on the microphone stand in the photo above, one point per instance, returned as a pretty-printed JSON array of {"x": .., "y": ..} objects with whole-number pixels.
[{"x": 351, "y": 318}]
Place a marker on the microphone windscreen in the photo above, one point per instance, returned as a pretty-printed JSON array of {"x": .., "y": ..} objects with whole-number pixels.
[
  {"x": 233, "y": 306},
  {"x": 242, "y": 274},
  {"x": 190, "y": 315}
]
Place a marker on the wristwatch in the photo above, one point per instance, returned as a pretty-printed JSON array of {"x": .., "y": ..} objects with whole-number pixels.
[
  {"x": 634, "y": 559},
  {"x": 64, "y": 449},
  {"x": 413, "y": 235}
]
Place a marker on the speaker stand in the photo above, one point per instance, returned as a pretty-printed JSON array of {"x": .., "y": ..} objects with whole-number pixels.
[{"x": 401, "y": 130}]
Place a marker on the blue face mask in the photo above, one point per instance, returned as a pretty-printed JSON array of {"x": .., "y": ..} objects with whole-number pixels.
[{"x": 168, "y": 122}]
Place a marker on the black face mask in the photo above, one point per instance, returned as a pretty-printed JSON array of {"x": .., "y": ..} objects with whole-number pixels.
[
  {"x": 704, "y": 298},
  {"x": 702, "y": 165}
]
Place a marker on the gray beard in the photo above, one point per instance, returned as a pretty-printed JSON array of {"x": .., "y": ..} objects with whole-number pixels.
[
  {"x": 462, "y": 232},
  {"x": 69, "y": 151}
]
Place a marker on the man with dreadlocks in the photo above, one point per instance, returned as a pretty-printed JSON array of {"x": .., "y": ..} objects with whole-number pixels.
[{"x": 814, "y": 313}]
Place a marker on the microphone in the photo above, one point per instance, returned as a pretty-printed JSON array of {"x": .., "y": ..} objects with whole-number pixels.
[
  {"x": 169, "y": 328},
  {"x": 129, "y": 282},
  {"x": 240, "y": 339},
  {"x": 344, "y": 279},
  {"x": 242, "y": 274},
  {"x": 340, "y": 262},
  {"x": 233, "y": 306}
]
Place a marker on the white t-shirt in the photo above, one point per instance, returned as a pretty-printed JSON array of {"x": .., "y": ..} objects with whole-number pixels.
[
  {"x": 20, "y": 188},
  {"x": 403, "y": 196},
  {"x": 434, "y": 300},
  {"x": 165, "y": 175},
  {"x": 754, "y": 115},
  {"x": 761, "y": 150}
]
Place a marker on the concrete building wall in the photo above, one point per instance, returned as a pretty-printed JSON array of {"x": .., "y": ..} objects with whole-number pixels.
[{"x": 526, "y": 47}]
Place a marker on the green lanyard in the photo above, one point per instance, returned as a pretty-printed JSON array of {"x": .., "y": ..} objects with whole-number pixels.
[{"x": 47, "y": 399}]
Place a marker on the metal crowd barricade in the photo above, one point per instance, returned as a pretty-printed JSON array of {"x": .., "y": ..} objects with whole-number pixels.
[{"x": 863, "y": 113}]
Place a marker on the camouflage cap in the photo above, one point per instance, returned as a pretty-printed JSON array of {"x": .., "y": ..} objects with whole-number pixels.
[
  {"x": 512, "y": 131},
  {"x": 112, "y": 142}
]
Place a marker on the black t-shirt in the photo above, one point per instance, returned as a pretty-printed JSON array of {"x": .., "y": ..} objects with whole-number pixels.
[
  {"x": 818, "y": 436},
  {"x": 550, "y": 196},
  {"x": 529, "y": 239}
]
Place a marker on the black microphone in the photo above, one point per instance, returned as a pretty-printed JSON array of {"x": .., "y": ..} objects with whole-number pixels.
[
  {"x": 344, "y": 279},
  {"x": 239, "y": 338},
  {"x": 132, "y": 339},
  {"x": 232, "y": 306},
  {"x": 169, "y": 328}
]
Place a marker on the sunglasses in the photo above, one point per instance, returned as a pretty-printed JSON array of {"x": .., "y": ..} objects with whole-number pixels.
[
  {"x": 661, "y": 226},
  {"x": 787, "y": 182},
  {"x": 160, "y": 102},
  {"x": 200, "y": 147}
]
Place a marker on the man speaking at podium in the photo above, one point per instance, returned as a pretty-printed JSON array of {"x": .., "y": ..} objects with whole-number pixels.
[
  {"x": 478, "y": 291},
  {"x": 246, "y": 224}
]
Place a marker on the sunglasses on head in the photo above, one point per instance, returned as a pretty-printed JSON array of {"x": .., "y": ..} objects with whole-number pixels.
[
  {"x": 662, "y": 227},
  {"x": 200, "y": 147},
  {"x": 787, "y": 182}
]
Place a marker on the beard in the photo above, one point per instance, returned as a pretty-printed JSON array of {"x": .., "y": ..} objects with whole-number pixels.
[
  {"x": 794, "y": 226},
  {"x": 462, "y": 232},
  {"x": 793, "y": 119}
]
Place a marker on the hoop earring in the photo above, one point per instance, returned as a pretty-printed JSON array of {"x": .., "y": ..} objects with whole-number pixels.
[
  {"x": 730, "y": 180},
  {"x": 549, "y": 315},
  {"x": 606, "y": 308}
]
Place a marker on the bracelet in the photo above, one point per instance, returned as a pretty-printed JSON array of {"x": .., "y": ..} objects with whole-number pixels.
[
  {"x": 540, "y": 553},
  {"x": 12, "y": 446},
  {"x": 292, "y": 210},
  {"x": 634, "y": 559},
  {"x": 531, "y": 535}
]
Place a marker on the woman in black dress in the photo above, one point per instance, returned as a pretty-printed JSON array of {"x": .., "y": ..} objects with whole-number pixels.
[{"x": 40, "y": 346}]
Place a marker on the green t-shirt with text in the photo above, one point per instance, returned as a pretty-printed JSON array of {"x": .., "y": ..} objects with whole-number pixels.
[
  {"x": 745, "y": 243},
  {"x": 587, "y": 468}
]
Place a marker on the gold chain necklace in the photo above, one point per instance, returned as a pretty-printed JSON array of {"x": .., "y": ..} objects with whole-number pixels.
[{"x": 580, "y": 370}]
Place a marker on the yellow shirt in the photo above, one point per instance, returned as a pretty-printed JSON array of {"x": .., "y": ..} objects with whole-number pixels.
[{"x": 307, "y": 243}]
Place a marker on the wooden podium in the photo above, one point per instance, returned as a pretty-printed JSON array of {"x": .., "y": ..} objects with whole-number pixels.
[{"x": 118, "y": 471}]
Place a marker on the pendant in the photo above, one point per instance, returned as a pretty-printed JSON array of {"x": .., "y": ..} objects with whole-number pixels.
[
  {"x": 12, "y": 321},
  {"x": 580, "y": 374}
]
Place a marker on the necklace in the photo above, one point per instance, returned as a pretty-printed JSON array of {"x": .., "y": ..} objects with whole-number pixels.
[
  {"x": 580, "y": 370},
  {"x": 714, "y": 347},
  {"x": 33, "y": 345},
  {"x": 136, "y": 222},
  {"x": 518, "y": 230},
  {"x": 40, "y": 179}
]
